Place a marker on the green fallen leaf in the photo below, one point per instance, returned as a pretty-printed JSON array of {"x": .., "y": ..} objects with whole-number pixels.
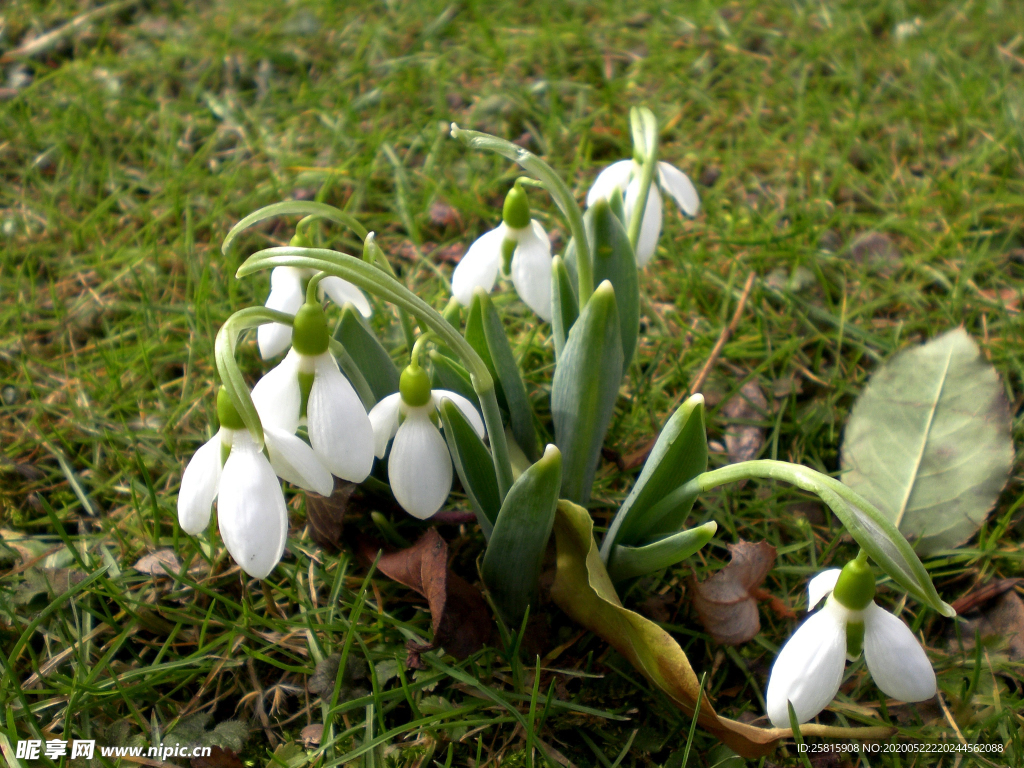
[
  {"x": 928, "y": 441},
  {"x": 583, "y": 589}
]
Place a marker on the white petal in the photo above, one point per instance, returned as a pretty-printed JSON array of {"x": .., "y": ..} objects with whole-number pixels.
[
  {"x": 615, "y": 176},
  {"x": 650, "y": 227},
  {"x": 897, "y": 662},
  {"x": 295, "y": 462},
  {"x": 277, "y": 396},
  {"x": 821, "y": 585},
  {"x": 479, "y": 267},
  {"x": 251, "y": 510},
  {"x": 678, "y": 186},
  {"x": 463, "y": 404},
  {"x": 342, "y": 291},
  {"x": 339, "y": 429},
  {"x": 384, "y": 420},
  {"x": 531, "y": 270},
  {"x": 420, "y": 467},
  {"x": 199, "y": 487},
  {"x": 286, "y": 295},
  {"x": 810, "y": 667}
]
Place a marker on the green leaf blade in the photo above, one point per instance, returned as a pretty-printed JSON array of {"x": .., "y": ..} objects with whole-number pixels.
[
  {"x": 928, "y": 441},
  {"x": 584, "y": 390},
  {"x": 473, "y": 464},
  {"x": 516, "y": 548},
  {"x": 369, "y": 355},
  {"x": 614, "y": 261},
  {"x": 631, "y": 562}
]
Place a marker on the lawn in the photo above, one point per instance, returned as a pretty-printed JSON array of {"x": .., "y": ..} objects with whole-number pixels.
[{"x": 861, "y": 172}]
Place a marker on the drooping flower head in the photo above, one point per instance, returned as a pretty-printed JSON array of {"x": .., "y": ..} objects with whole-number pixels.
[
  {"x": 251, "y": 510},
  {"x": 307, "y": 387},
  {"x": 518, "y": 247},
  {"x": 288, "y": 293},
  {"x": 625, "y": 177},
  {"x": 809, "y": 669},
  {"x": 420, "y": 466}
]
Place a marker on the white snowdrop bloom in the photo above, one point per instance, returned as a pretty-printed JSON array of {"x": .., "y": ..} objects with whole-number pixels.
[
  {"x": 625, "y": 175},
  {"x": 809, "y": 669},
  {"x": 519, "y": 246},
  {"x": 307, "y": 387},
  {"x": 420, "y": 466},
  {"x": 287, "y": 294},
  {"x": 251, "y": 510}
]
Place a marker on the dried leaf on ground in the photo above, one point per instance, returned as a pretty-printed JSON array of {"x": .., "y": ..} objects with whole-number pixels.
[
  {"x": 153, "y": 564},
  {"x": 1005, "y": 619},
  {"x": 876, "y": 250},
  {"x": 978, "y": 597},
  {"x": 744, "y": 441},
  {"x": 726, "y": 604},
  {"x": 326, "y": 516},
  {"x": 459, "y": 615}
]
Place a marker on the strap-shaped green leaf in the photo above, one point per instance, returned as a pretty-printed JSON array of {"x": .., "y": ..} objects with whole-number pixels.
[
  {"x": 486, "y": 333},
  {"x": 564, "y": 306},
  {"x": 661, "y": 499},
  {"x": 473, "y": 464},
  {"x": 290, "y": 207},
  {"x": 631, "y": 562},
  {"x": 584, "y": 390},
  {"x": 372, "y": 359},
  {"x": 516, "y": 548},
  {"x": 614, "y": 261},
  {"x": 448, "y": 374}
]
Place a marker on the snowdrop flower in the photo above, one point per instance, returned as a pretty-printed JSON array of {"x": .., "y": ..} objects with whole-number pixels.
[
  {"x": 625, "y": 176},
  {"x": 307, "y": 386},
  {"x": 810, "y": 666},
  {"x": 251, "y": 510},
  {"x": 288, "y": 293},
  {"x": 420, "y": 467},
  {"x": 519, "y": 246}
]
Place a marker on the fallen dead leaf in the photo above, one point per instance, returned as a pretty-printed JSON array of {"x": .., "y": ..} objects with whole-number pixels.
[
  {"x": 744, "y": 441},
  {"x": 459, "y": 615},
  {"x": 326, "y": 516},
  {"x": 153, "y": 564},
  {"x": 1004, "y": 619},
  {"x": 443, "y": 215},
  {"x": 978, "y": 597},
  {"x": 876, "y": 249},
  {"x": 726, "y": 603}
]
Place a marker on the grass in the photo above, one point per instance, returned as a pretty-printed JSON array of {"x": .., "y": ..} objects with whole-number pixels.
[{"x": 127, "y": 152}]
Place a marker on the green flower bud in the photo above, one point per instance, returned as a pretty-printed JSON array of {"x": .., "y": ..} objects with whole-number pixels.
[
  {"x": 414, "y": 386},
  {"x": 309, "y": 331},
  {"x": 227, "y": 414},
  {"x": 301, "y": 240},
  {"x": 855, "y": 588},
  {"x": 516, "y": 212}
]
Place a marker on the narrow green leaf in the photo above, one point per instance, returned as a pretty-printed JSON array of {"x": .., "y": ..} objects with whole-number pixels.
[
  {"x": 565, "y": 308},
  {"x": 614, "y": 261},
  {"x": 292, "y": 207},
  {"x": 486, "y": 333},
  {"x": 631, "y": 562},
  {"x": 369, "y": 355},
  {"x": 661, "y": 498},
  {"x": 448, "y": 374},
  {"x": 516, "y": 548},
  {"x": 928, "y": 441},
  {"x": 473, "y": 464},
  {"x": 584, "y": 390}
]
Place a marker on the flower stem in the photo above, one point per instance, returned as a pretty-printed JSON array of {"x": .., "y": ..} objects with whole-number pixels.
[
  {"x": 559, "y": 192},
  {"x": 373, "y": 280},
  {"x": 648, "y": 129},
  {"x": 373, "y": 254},
  {"x": 312, "y": 286}
]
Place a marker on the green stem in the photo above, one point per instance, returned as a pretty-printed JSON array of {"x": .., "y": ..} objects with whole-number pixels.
[
  {"x": 375, "y": 281},
  {"x": 650, "y": 165},
  {"x": 417, "y": 349},
  {"x": 871, "y": 529},
  {"x": 312, "y": 287},
  {"x": 559, "y": 192},
  {"x": 230, "y": 374},
  {"x": 373, "y": 254}
]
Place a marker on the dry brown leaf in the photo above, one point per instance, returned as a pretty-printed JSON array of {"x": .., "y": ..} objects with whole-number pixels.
[
  {"x": 726, "y": 604},
  {"x": 459, "y": 615},
  {"x": 1004, "y": 619},
  {"x": 978, "y": 597},
  {"x": 326, "y": 516},
  {"x": 153, "y": 564},
  {"x": 744, "y": 441}
]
